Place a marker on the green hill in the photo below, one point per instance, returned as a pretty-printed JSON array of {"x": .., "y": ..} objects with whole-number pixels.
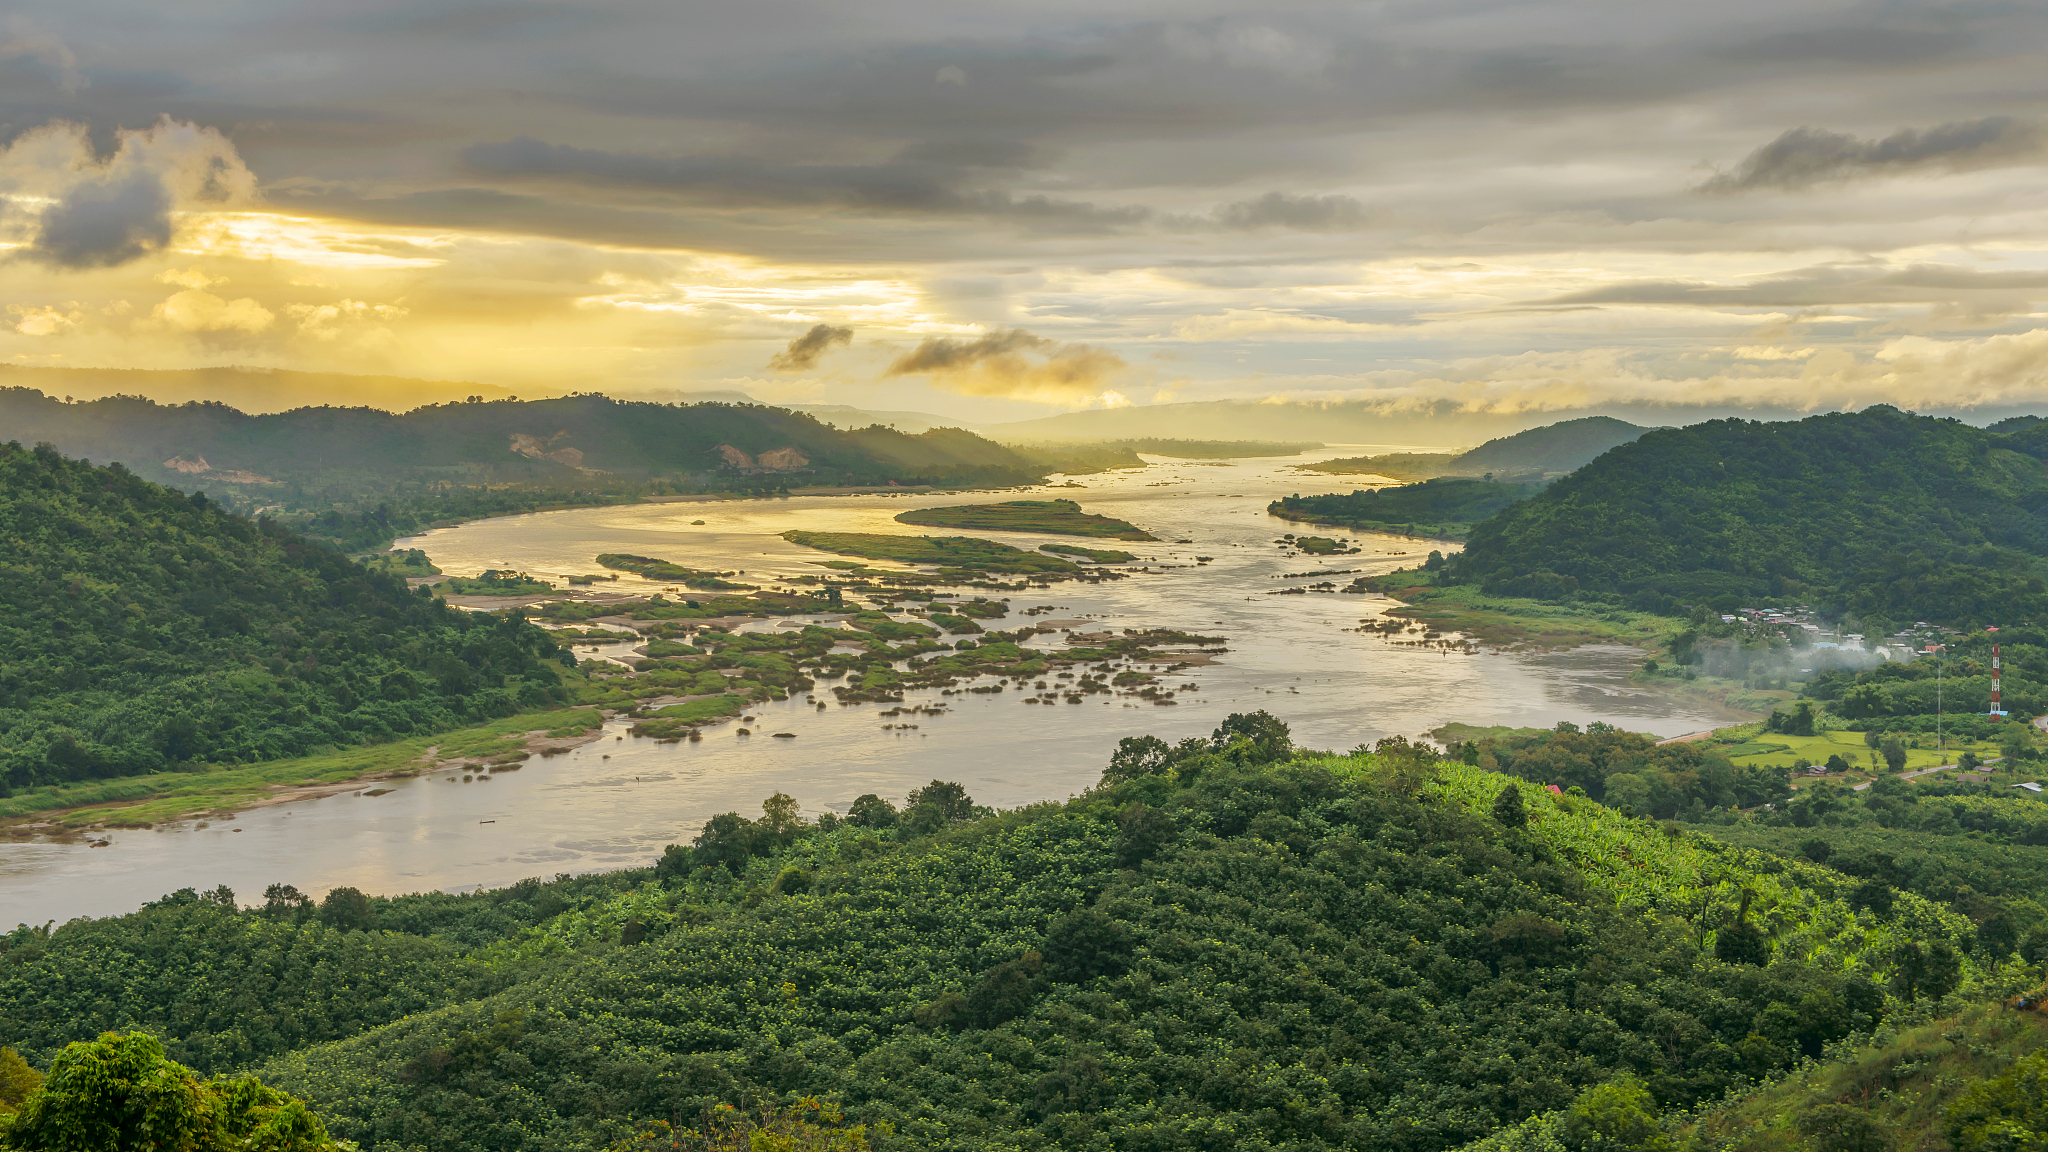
[
  {"x": 142, "y": 630},
  {"x": 1446, "y": 507},
  {"x": 1227, "y": 945},
  {"x": 1882, "y": 514}
]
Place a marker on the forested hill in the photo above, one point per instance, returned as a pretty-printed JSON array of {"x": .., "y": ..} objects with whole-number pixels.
[
  {"x": 1229, "y": 944},
  {"x": 141, "y": 628},
  {"x": 573, "y": 442},
  {"x": 1880, "y": 513},
  {"x": 1558, "y": 447}
]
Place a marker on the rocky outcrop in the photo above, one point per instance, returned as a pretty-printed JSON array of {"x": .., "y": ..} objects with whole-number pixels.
[
  {"x": 773, "y": 460},
  {"x": 534, "y": 448}
]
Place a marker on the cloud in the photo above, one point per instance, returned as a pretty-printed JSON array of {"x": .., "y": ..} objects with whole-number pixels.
[
  {"x": 196, "y": 310},
  {"x": 1013, "y": 363},
  {"x": 899, "y": 186},
  {"x": 1803, "y": 157},
  {"x": 1823, "y": 285},
  {"x": 98, "y": 213},
  {"x": 1301, "y": 213},
  {"x": 804, "y": 352}
]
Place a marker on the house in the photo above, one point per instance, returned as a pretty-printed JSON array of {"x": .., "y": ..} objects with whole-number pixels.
[{"x": 2029, "y": 786}]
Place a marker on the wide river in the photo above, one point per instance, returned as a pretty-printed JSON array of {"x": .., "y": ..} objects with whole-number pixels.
[{"x": 616, "y": 803}]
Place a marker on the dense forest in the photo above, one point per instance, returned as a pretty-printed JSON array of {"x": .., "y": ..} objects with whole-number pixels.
[
  {"x": 1881, "y": 514},
  {"x": 1230, "y": 943},
  {"x": 143, "y": 629},
  {"x": 1445, "y": 508}
]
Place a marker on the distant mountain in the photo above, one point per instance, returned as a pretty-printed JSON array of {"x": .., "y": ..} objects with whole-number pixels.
[
  {"x": 1883, "y": 514},
  {"x": 1558, "y": 447},
  {"x": 247, "y": 389},
  {"x": 571, "y": 442},
  {"x": 1537, "y": 454}
]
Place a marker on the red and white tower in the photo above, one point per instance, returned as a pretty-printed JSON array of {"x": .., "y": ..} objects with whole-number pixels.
[{"x": 1997, "y": 709}]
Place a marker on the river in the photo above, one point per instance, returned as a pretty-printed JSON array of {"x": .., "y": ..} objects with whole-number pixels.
[{"x": 617, "y": 802}]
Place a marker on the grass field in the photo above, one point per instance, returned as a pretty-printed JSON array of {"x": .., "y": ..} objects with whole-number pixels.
[
  {"x": 154, "y": 799},
  {"x": 1059, "y": 517}
]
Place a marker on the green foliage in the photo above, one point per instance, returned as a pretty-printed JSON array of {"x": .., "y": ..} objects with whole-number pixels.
[
  {"x": 1879, "y": 513},
  {"x": 1058, "y": 516},
  {"x": 667, "y": 572},
  {"x": 229, "y": 989},
  {"x": 1630, "y": 770},
  {"x": 959, "y": 553},
  {"x": 18, "y": 1081},
  {"x": 1617, "y": 1116},
  {"x": 1092, "y": 555},
  {"x": 1443, "y": 507},
  {"x": 146, "y": 630},
  {"x": 2008, "y": 1112},
  {"x": 121, "y": 1093}
]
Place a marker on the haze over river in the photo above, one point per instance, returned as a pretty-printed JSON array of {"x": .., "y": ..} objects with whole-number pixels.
[{"x": 617, "y": 802}]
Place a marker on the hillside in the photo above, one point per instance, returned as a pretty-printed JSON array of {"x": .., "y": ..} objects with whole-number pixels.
[
  {"x": 1447, "y": 507},
  {"x": 1881, "y": 514},
  {"x": 142, "y": 630},
  {"x": 312, "y": 455},
  {"x": 1227, "y": 944},
  {"x": 1538, "y": 453}
]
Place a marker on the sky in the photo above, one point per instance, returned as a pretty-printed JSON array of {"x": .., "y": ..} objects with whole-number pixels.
[{"x": 1008, "y": 211}]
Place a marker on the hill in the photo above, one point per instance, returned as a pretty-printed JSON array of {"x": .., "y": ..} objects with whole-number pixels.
[
  {"x": 143, "y": 630},
  {"x": 1446, "y": 507},
  {"x": 1229, "y": 943},
  {"x": 249, "y": 389},
  {"x": 573, "y": 442},
  {"x": 1880, "y": 514},
  {"x": 1538, "y": 453}
]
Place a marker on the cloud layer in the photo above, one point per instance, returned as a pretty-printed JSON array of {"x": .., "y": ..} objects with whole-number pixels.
[{"x": 1037, "y": 206}]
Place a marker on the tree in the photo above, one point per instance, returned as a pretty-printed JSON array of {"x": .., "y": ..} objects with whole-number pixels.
[
  {"x": 1968, "y": 762},
  {"x": 284, "y": 902},
  {"x": 1507, "y": 807},
  {"x": 1141, "y": 832},
  {"x": 345, "y": 910},
  {"x": 18, "y": 1081},
  {"x": 780, "y": 819},
  {"x": 121, "y": 1092},
  {"x": 1893, "y": 750},
  {"x": 1617, "y": 1115},
  {"x": 871, "y": 811},
  {"x": 949, "y": 798},
  {"x": 1256, "y": 737},
  {"x": 727, "y": 839},
  {"x": 1742, "y": 942},
  {"x": 1137, "y": 756}
]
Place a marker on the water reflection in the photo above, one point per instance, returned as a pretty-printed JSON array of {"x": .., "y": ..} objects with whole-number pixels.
[{"x": 615, "y": 803}]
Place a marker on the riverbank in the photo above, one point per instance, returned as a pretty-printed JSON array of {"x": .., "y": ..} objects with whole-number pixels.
[
  {"x": 214, "y": 792},
  {"x": 1512, "y": 622}
]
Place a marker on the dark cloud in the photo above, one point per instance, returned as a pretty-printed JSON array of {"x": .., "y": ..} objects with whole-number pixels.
[
  {"x": 102, "y": 223},
  {"x": 1821, "y": 286},
  {"x": 1803, "y": 157},
  {"x": 805, "y": 351},
  {"x": 1011, "y": 362},
  {"x": 1301, "y": 213},
  {"x": 901, "y": 187},
  {"x": 1868, "y": 44}
]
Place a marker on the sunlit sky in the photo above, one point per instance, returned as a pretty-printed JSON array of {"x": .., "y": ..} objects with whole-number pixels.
[{"x": 1006, "y": 211}]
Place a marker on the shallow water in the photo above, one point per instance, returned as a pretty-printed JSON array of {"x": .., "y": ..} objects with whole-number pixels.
[{"x": 615, "y": 803}]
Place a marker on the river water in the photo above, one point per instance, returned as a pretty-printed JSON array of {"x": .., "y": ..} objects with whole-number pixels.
[{"x": 617, "y": 802}]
